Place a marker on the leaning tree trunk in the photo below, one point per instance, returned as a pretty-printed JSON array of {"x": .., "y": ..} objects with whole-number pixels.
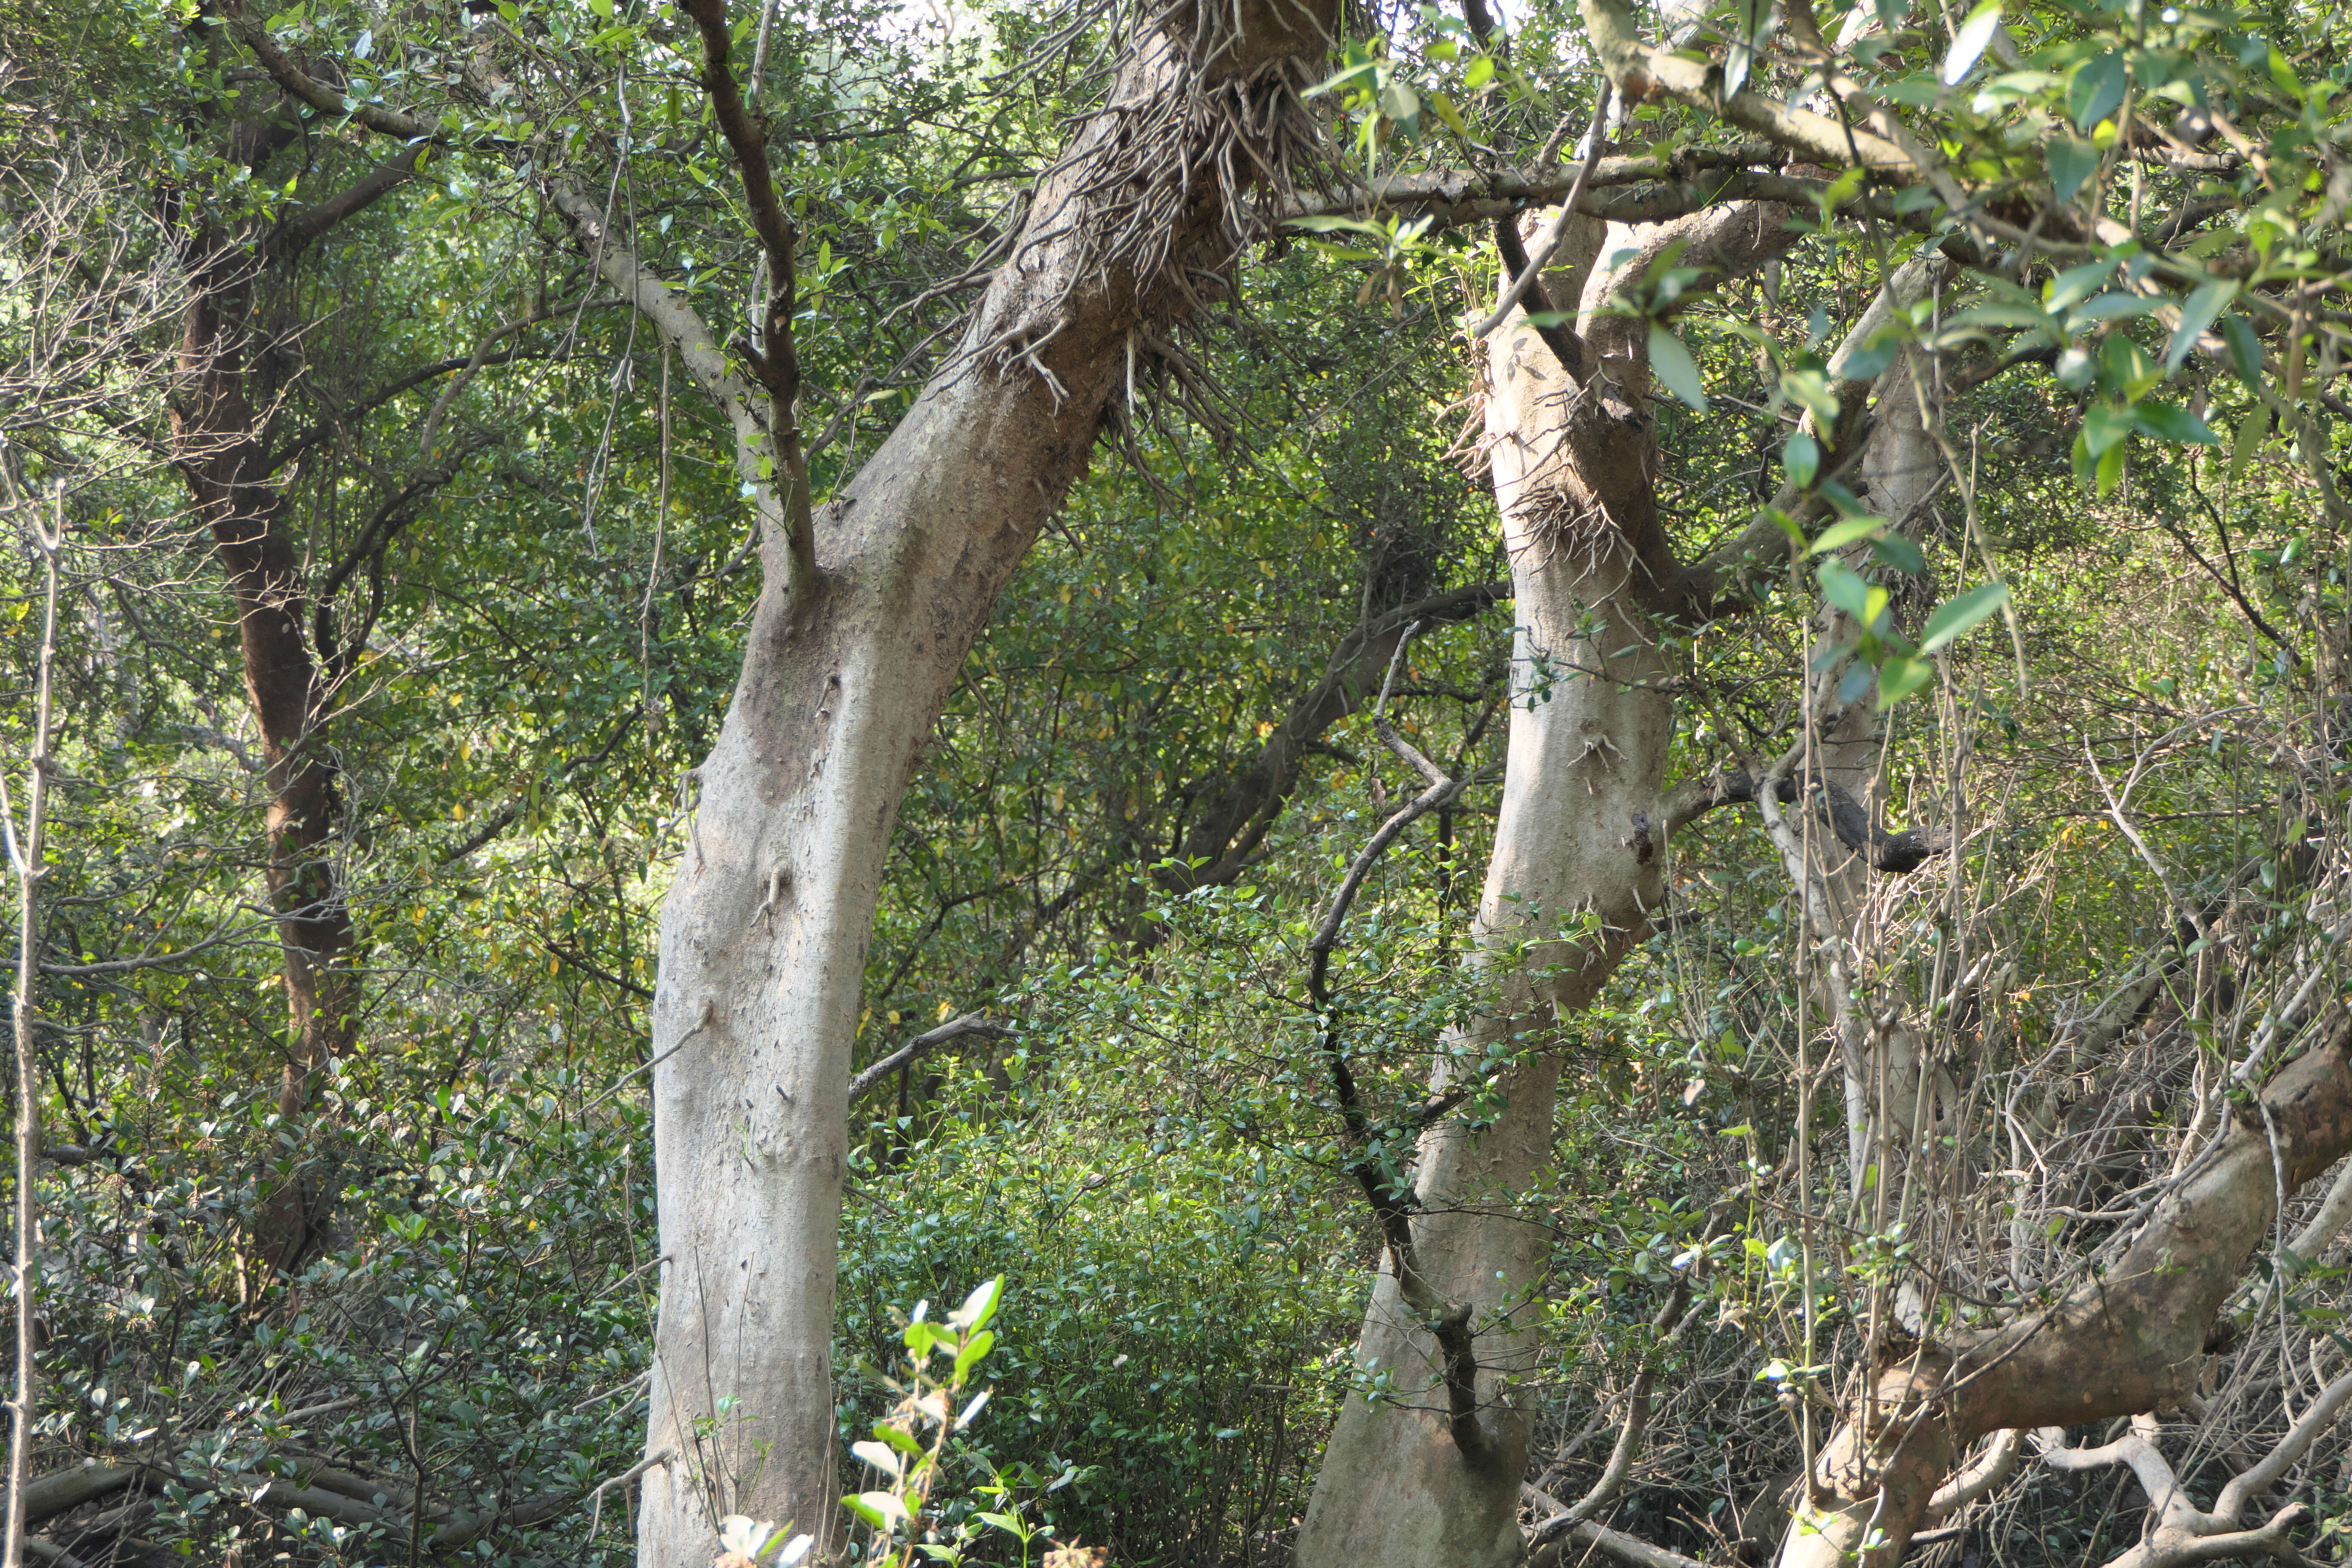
[
  {"x": 2127, "y": 1341},
  {"x": 763, "y": 935},
  {"x": 1579, "y": 847}
]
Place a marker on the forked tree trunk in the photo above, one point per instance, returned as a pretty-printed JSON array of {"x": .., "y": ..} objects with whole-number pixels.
[
  {"x": 764, "y": 931},
  {"x": 1580, "y": 843}
]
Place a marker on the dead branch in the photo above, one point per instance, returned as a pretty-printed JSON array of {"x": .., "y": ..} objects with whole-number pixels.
[{"x": 2182, "y": 1532}]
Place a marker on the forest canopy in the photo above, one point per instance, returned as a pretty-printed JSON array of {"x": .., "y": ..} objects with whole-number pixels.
[{"x": 1146, "y": 783}]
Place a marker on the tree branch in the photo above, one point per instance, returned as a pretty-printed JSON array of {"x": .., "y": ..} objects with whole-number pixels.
[
  {"x": 777, "y": 358},
  {"x": 1623, "y": 1548},
  {"x": 254, "y": 34},
  {"x": 964, "y": 1027},
  {"x": 1891, "y": 852},
  {"x": 2185, "y": 1533},
  {"x": 1448, "y": 1321},
  {"x": 751, "y": 413},
  {"x": 299, "y": 230},
  {"x": 1237, "y": 814},
  {"x": 1641, "y": 74}
]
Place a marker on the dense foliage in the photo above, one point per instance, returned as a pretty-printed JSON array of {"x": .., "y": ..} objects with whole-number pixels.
[{"x": 527, "y": 563}]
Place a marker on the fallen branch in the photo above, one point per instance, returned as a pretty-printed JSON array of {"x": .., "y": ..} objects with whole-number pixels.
[
  {"x": 2183, "y": 1532},
  {"x": 1623, "y": 1548}
]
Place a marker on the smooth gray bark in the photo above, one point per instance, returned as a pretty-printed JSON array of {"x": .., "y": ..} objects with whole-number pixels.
[
  {"x": 763, "y": 935},
  {"x": 1580, "y": 843}
]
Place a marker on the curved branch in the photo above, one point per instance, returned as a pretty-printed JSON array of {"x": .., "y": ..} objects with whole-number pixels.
[
  {"x": 1983, "y": 1473},
  {"x": 964, "y": 1027}
]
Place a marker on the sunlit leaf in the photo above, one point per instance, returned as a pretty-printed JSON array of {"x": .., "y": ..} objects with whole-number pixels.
[
  {"x": 1672, "y": 364},
  {"x": 1969, "y": 42},
  {"x": 1958, "y": 618}
]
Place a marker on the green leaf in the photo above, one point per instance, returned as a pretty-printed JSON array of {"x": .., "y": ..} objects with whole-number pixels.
[
  {"x": 978, "y": 1307},
  {"x": 1968, "y": 43},
  {"x": 2096, "y": 89},
  {"x": 2245, "y": 350},
  {"x": 975, "y": 1351},
  {"x": 2167, "y": 423},
  {"x": 1672, "y": 364},
  {"x": 876, "y": 1508},
  {"x": 1810, "y": 389},
  {"x": 880, "y": 1456},
  {"x": 2071, "y": 162},
  {"x": 1800, "y": 459},
  {"x": 1957, "y": 619},
  {"x": 2110, "y": 471},
  {"x": 1842, "y": 585},
  {"x": 1865, "y": 362},
  {"x": 1900, "y": 553},
  {"x": 1344, "y": 78},
  {"x": 2104, "y": 425},
  {"x": 2107, "y": 306},
  {"x": 1838, "y": 535},
  {"x": 2252, "y": 426},
  {"x": 1327, "y": 224},
  {"x": 2077, "y": 284},
  {"x": 2205, "y": 302}
]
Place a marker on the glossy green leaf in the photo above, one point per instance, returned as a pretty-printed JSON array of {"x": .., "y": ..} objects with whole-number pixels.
[
  {"x": 1844, "y": 587},
  {"x": 1900, "y": 675},
  {"x": 1961, "y": 615},
  {"x": 2167, "y": 423},
  {"x": 1838, "y": 535},
  {"x": 2253, "y": 424},
  {"x": 2096, "y": 91},
  {"x": 1800, "y": 459},
  {"x": 2205, "y": 301}
]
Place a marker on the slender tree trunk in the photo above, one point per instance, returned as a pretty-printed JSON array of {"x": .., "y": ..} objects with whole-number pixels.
[
  {"x": 764, "y": 931},
  {"x": 1579, "y": 845},
  {"x": 26, "y": 856},
  {"x": 217, "y": 434}
]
